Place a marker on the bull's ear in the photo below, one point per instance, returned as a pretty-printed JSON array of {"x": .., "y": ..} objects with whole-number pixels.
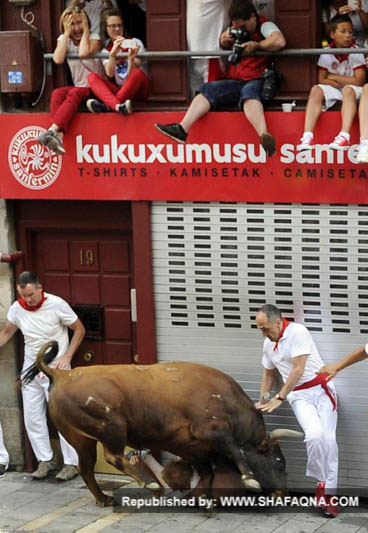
[{"x": 264, "y": 446}]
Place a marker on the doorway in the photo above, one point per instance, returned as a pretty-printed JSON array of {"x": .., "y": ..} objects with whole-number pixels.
[{"x": 97, "y": 256}]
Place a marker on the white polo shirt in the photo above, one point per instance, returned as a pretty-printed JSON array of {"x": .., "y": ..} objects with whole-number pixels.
[
  {"x": 295, "y": 341},
  {"x": 339, "y": 65},
  {"x": 49, "y": 323}
]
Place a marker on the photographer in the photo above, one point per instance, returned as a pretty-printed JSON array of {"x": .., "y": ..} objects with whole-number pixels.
[{"x": 243, "y": 81}]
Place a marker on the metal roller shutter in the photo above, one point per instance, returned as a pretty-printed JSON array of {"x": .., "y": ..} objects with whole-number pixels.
[{"x": 215, "y": 264}]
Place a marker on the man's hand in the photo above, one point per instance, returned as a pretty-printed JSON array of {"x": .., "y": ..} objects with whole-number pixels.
[
  {"x": 62, "y": 363},
  {"x": 270, "y": 406},
  {"x": 250, "y": 47},
  {"x": 226, "y": 40},
  {"x": 331, "y": 370}
]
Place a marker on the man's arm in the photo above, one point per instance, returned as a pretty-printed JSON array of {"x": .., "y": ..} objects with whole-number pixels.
[
  {"x": 7, "y": 332},
  {"x": 272, "y": 43},
  {"x": 354, "y": 357},
  {"x": 296, "y": 373},
  {"x": 79, "y": 332},
  {"x": 268, "y": 378}
]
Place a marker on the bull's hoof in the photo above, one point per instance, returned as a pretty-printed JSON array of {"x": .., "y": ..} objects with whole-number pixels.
[
  {"x": 251, "y": 484},
  {"x": 108, "y": 501}
]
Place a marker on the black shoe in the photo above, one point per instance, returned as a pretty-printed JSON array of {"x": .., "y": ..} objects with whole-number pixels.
[
  {"x": 95, "y": 106},
  {"x": 3, "y": 469},
  {"x": 125, "y": 108},
  {"x": 269, "y": 143},
  {"x": 174, "y": 131}
]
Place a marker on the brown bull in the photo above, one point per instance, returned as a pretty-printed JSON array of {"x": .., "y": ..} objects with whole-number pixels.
[{"x": 191, "y": 410}]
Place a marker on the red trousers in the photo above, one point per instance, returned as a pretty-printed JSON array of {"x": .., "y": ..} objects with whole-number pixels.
[
  {"x": 134, "y": 88},
  {"x": 65, "y": 102}
]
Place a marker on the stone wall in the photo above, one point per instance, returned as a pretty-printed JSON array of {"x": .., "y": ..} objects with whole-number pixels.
[{"x": 10, "y": 401}]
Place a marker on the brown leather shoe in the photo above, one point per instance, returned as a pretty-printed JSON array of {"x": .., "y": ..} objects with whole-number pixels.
[{"x": 269, "y": 143}]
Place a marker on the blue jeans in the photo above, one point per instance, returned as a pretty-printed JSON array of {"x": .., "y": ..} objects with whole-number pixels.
[{"x": 231, "y": 92}]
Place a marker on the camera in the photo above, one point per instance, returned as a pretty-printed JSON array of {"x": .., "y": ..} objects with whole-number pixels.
[
  {"x": 240, "y": 36},
  {"x": 271, "y": 84}
]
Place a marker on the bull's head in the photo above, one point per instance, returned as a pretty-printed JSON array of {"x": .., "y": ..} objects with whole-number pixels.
[{"x": 267, "y": 461}]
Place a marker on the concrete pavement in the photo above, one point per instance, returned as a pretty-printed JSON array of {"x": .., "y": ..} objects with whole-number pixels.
[{"x": 48, "y": 506}]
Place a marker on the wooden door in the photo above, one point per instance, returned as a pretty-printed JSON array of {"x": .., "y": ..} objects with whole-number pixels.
[
  {"x": 166, "y": 31},
  {"x": 301, "y": 24},
  {"x": 91, "y": 270}
]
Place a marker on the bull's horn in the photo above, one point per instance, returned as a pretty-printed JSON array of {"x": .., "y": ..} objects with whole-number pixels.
[
  {"x": 281, "y": 433},
  {"x": 250, "y": 483}
]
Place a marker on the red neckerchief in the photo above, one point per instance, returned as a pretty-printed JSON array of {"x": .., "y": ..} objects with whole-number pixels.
[
  {"x": 320, "y": 379},
  {"x": 340, "y": 57},
  {"x": 285, "y": 324},
  {"x": 32, "y": 307}
]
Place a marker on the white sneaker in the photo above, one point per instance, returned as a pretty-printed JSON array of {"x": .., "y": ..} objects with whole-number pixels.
[
  {"x": 362, "y": 156},
  {"x": 340, "y": 143},
  {"x": 306, "y": 143}
]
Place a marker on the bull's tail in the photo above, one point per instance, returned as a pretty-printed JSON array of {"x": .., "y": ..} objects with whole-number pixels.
[{"x": 47, "y": 354}]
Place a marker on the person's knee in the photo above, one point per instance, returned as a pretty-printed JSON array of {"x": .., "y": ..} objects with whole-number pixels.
[
  {"x": 365, "y": 90},
  {"x": 348, "y": 92},
  {"x": 92, "y": 77},
  {"x": 314, "y": 435},
  {"x": 316, "y": 93},
  {"x": 330, "y": 441}
]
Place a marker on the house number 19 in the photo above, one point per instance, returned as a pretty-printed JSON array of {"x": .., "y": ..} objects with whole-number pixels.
[{"x": 86, "y": 257}]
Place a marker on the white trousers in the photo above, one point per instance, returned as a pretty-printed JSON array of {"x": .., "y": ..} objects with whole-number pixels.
[
  {"x": 35, "y": 398},
  {"x": 198, "y": 74},
  {"x": 314, "y": 412},
  {"x": 4, "y": 456}
]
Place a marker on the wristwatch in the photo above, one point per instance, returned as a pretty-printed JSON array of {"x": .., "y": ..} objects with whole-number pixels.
[{"x": 278, "y": 397}]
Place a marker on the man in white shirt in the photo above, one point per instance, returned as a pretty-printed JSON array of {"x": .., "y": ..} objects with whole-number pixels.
[
  {"x": 205, "y": 20},
  {"x": 290, "y": 349},
  {"x": 42, "y": 317}
]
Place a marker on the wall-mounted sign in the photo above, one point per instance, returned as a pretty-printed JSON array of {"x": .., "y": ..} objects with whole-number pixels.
[{"x": 112, "y": 157}]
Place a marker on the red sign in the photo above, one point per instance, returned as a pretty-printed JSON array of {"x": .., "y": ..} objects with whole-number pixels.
[{"x": 112, "y": 157}]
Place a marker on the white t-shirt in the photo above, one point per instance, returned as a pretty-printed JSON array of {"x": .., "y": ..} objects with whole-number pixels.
[
  {"x": 345, "y": 67},
  {"x": 359, "y": 31},
  {"x": 50, "y": 322},
  {"x": 93, "y": 10},
  {"x": 121, "y": 70},
  {"x": 80, "y": 68},
  {"x": 295, "y": 341},
  {"x": 206, "y": 19}
]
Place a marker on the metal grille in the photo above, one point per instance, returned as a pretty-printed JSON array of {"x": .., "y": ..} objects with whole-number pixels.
[{"x": 215, "y": 264}]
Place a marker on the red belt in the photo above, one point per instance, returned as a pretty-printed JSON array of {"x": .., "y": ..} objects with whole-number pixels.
[{"x": 320, "y": 379}]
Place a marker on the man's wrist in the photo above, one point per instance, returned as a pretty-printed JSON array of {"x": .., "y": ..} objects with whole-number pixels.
[{"x": 279, "y": 397}]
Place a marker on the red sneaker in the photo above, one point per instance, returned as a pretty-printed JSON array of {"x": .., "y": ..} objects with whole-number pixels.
[
  {"x": 320, "y": 495},
  {"x": 331, "y": 509}
]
